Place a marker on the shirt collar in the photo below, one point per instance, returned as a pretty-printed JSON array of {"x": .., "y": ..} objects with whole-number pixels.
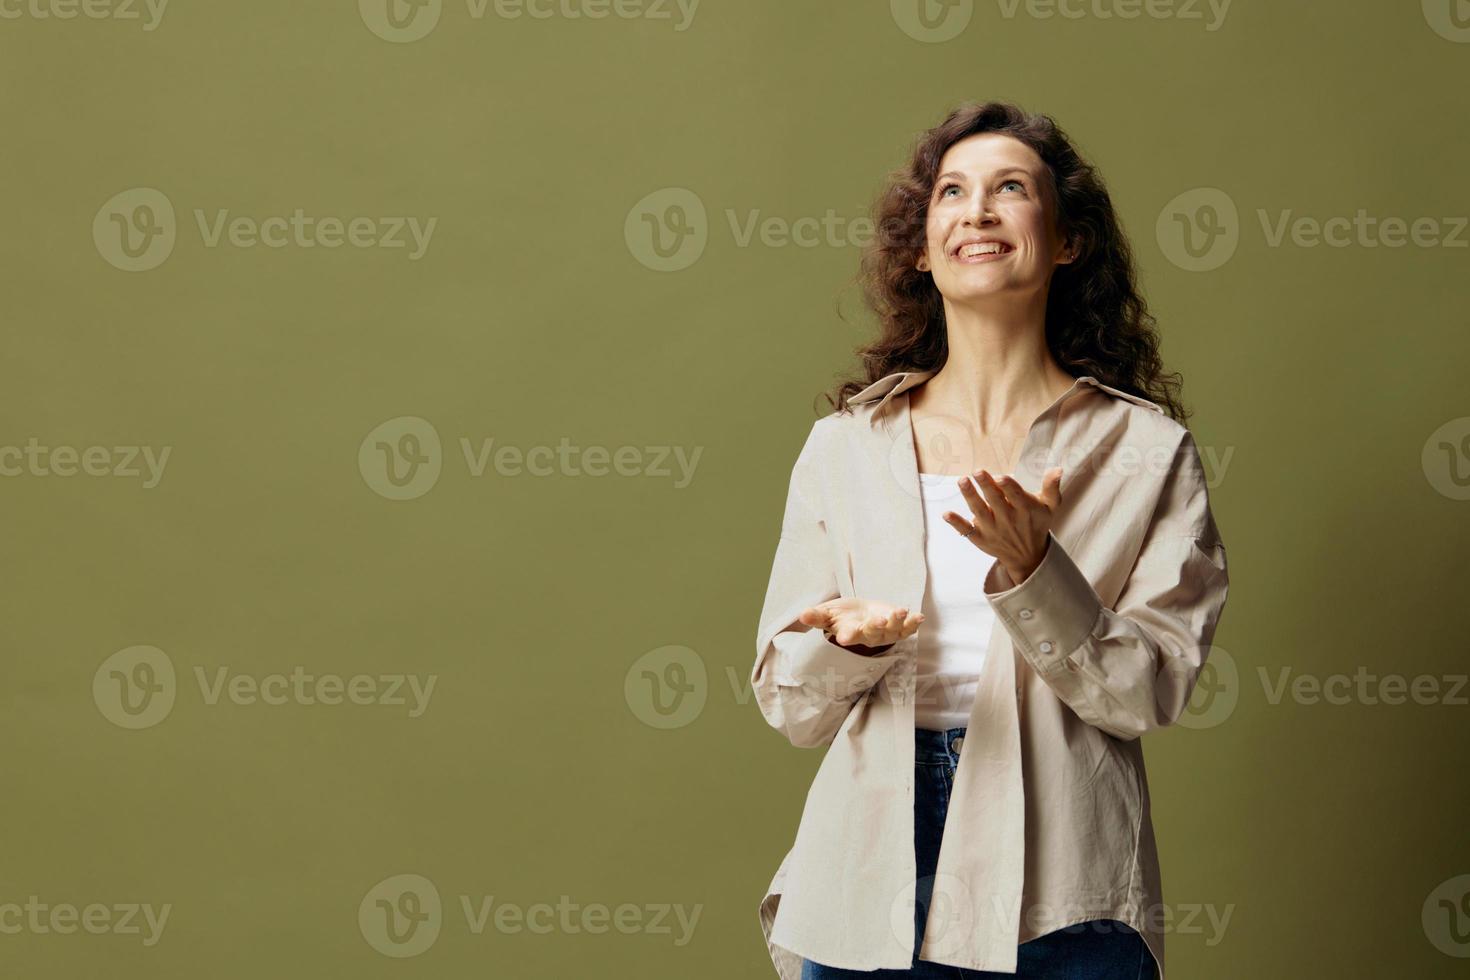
[{"x": 886, "y": 387}]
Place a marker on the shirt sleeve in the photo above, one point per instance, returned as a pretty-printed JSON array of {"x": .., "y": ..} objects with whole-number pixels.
[
  {"x": 1130, "y": 669},
  {"x": 805, "y": 684}
]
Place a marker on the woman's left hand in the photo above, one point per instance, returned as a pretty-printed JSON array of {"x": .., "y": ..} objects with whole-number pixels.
[{"x": 1009, "y": 524}]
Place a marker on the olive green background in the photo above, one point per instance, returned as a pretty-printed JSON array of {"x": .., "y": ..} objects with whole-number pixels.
[{"x": 1317, "y": 376}]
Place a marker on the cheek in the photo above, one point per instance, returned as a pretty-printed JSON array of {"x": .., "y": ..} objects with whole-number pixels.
[
  {"x": 934, "y": 237},
  {"x": 1034, "y": 228}
]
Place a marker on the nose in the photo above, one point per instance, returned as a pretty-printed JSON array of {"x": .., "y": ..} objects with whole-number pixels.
[{"x": 979, "y": 212}]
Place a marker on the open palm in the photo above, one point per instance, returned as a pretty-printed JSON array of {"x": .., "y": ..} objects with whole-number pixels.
[{"x": 862, "y": 623}]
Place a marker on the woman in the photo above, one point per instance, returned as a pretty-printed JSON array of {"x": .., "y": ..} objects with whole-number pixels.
[{"x": 997, "y": 569}]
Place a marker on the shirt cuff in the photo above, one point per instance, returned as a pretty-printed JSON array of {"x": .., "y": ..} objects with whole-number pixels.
[
  {"x": 1049, "y": 615},
  {"x": 838, "y": 672}
]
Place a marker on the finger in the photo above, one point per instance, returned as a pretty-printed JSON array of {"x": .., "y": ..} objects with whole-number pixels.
[
  {"x": 896, "y": 624},
  {"x": 883, "y": 628},
  {"x": 995, "y": 494},
  {"x": 1024, "y": 504},
  {"x": 817, "y": 616},
  {"x": 911, "y": 623},
  {"x": 984, "y": 518},
  {"x": 1051, "y": 488},
  {"x": 878, "y": 628},
  {"x": 965, "y": 528},
  {"x": 1016, "y": 495}
]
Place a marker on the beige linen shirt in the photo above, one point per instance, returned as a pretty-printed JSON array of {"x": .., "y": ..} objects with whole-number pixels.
[{"x": 1049, "y": 821}]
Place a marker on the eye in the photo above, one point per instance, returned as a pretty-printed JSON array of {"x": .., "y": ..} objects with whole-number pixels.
[
  {"x": 1016, "y": 182},
  {"x": 946, "y": 187}
]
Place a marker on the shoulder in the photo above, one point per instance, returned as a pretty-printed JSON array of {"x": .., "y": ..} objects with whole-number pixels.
[
  {"x": 1144, "y": 422},
  {"x": 822, "y": 438},
  {"x": 856, "y": 416},
  {"x": 836, "y": 443},
  {"x": 1151, "y": 447},
  {"x": 1140, "y": 439}
]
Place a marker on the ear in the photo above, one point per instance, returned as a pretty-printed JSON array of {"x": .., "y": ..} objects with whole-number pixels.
[
  {"x": 923, "y": 262},
  {"x": 1073, "y": 246}
]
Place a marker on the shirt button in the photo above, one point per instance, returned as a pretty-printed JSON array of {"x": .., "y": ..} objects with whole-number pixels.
[
  {"x": 1044, "y": 646},
  {"x": 1025, "y": 614},
  {"x": 957, "y": 744}
]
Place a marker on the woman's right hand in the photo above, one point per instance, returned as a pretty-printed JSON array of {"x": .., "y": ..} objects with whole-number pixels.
[{"x": 863, "y": 626}]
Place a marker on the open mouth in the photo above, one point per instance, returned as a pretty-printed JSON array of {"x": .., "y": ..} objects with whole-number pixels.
[{"x": 982, "y": 251}]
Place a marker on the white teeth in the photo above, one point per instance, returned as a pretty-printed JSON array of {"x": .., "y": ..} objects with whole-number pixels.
[{"x": 981, "y": 248}]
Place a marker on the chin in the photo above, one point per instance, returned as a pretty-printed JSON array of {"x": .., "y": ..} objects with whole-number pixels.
[{"x": 979, "y": 290}]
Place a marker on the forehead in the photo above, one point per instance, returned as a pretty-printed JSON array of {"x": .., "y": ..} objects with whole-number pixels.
[{"x": 986, "y": 153}]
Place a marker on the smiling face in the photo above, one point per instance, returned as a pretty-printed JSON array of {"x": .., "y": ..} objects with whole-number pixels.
[{"x": 992, "y": 221}]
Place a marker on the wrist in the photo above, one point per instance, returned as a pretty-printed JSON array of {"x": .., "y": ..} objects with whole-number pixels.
[
  {"x": 858, "y": 648},
  {"x": 1020, "y": 573}
]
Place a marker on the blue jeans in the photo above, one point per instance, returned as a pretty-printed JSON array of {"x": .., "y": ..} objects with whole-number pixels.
[{"x": 1101, "y": 950}]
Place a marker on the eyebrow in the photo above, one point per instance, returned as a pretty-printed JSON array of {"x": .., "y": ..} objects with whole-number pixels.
[{"x": 998, "y": 173}]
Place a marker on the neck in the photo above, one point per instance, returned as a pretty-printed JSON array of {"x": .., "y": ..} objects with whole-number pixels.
[{"x": 999, "y": 375}]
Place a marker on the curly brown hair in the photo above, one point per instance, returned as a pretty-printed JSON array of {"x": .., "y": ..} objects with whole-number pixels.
[{"x": 1096, "y": 322}]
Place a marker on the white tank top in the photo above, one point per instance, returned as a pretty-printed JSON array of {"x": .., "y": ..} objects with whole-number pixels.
[{"x": 957, "y": 616}]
